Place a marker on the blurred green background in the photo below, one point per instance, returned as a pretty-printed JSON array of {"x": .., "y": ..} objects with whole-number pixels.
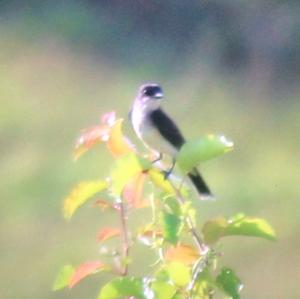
[{"x": 228, "y": 67}]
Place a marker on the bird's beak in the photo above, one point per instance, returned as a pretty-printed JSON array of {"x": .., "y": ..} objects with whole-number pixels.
[{"x": 158, "y": 95}]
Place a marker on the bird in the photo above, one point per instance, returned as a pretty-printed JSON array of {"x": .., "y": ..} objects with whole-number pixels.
[{"x": 159, "y": 133}]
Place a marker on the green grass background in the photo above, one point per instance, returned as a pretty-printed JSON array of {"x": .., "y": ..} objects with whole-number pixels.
[{"x": 50, "y": 90}]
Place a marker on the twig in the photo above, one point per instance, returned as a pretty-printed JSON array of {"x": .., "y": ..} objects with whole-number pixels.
[
  {"x": 125, "y": 254},
  {"x": 197, "y": 238},
  {"x": 203, "y": 249},
  {"x": 198, "y": 268}
]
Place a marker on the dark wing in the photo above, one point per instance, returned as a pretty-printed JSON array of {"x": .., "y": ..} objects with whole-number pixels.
[{"x": 167, "y": 128}]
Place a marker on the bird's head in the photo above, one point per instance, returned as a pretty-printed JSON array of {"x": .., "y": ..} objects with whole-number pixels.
[{"x": 150, "y": 93}]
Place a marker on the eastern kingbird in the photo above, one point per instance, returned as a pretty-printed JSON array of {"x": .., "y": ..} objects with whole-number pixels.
[{"x": 158, "y": 132}]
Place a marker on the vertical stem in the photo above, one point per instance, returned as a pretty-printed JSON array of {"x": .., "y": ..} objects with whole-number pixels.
[
  {"x": 198, "y": 268},
  {"x": 203, "y": 249},
  {"x": 124, "y": 230},
  {"x": 197, "y": 238}
]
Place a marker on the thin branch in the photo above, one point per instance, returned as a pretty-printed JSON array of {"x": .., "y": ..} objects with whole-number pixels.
[
  {"x": 124, "y": 230},
  {"x": 203, "y": 249},
  {"x": 198, "y": 268},
  {"x": 197, "y": 238}
]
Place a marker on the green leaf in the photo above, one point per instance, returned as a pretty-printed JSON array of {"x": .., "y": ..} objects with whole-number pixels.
[
  {"x": 171, "y": 225},
  {"x": 229, "y": 283},
  {"x": 179, "y": 273},
  {"x": 123, "y": 287},
  {"x": 158, "y": 178},
  {"x": 80, "y": 194},
  {"x": 214, "y": 229},
  {"x": 162, "y": 275},
  {"x": 239, "y": 225},
  {"x": 63, "y": 277},
  {"x": 205, "y": 284},
  {"x": 194, "y": 152},
  {"x": 163, "y": 290},
  {"x": 246, "y": 226},
  {"x": 125, "y": 169},
  {"x": 172, "y": 205}
]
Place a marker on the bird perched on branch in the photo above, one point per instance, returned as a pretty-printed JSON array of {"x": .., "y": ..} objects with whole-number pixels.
[{"x": 159, "y": 132}]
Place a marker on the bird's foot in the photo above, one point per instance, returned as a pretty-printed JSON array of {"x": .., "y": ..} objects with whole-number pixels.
[
  {"x": 167, "y": 173},
  {"x": 157, "y": 159}
]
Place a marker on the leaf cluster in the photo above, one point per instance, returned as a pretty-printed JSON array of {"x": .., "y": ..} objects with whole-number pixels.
[{"x": 188, "y": 260}]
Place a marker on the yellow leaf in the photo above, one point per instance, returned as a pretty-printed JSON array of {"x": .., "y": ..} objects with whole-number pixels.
[
  {"x": 80, "y": 194},
  {"x": 182, "y": 253},
  {"x": 126, "y": 168},
  {"x": 117, "y": 143},
  {"x": 158, "y": 178},
  {"x": 179, "y": 273}
]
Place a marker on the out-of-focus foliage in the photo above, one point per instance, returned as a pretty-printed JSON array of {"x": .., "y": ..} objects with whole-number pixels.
[{"x": 226, "y": 67}]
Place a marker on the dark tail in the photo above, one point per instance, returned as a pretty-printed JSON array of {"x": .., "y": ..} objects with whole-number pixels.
[{"x": 199, "y": 183}]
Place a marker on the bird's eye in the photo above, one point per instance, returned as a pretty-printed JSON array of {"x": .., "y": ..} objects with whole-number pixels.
[
  {"x": 152, "y": 91},
  {"x": 147, "y": 92}
]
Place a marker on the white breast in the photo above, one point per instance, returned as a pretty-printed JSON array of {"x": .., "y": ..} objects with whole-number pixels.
[{"x": 149, "y": 134}]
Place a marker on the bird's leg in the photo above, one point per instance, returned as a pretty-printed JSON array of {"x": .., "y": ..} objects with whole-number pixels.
[
  {"x": 166, "y": 172},
  {"x": 170, "y": 170},
  {"x": 157, "y": 159}
]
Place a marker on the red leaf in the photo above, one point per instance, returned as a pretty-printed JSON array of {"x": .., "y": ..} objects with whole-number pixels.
[
  {"x": 109, "y": 118},
  {"x": 110, "y": 132},
  {"x": 133, "y": 191},
  {"x": 107, "y": 233},
  {"x": 89, "y": 138},
  {"x": 84, "y": 270}
]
